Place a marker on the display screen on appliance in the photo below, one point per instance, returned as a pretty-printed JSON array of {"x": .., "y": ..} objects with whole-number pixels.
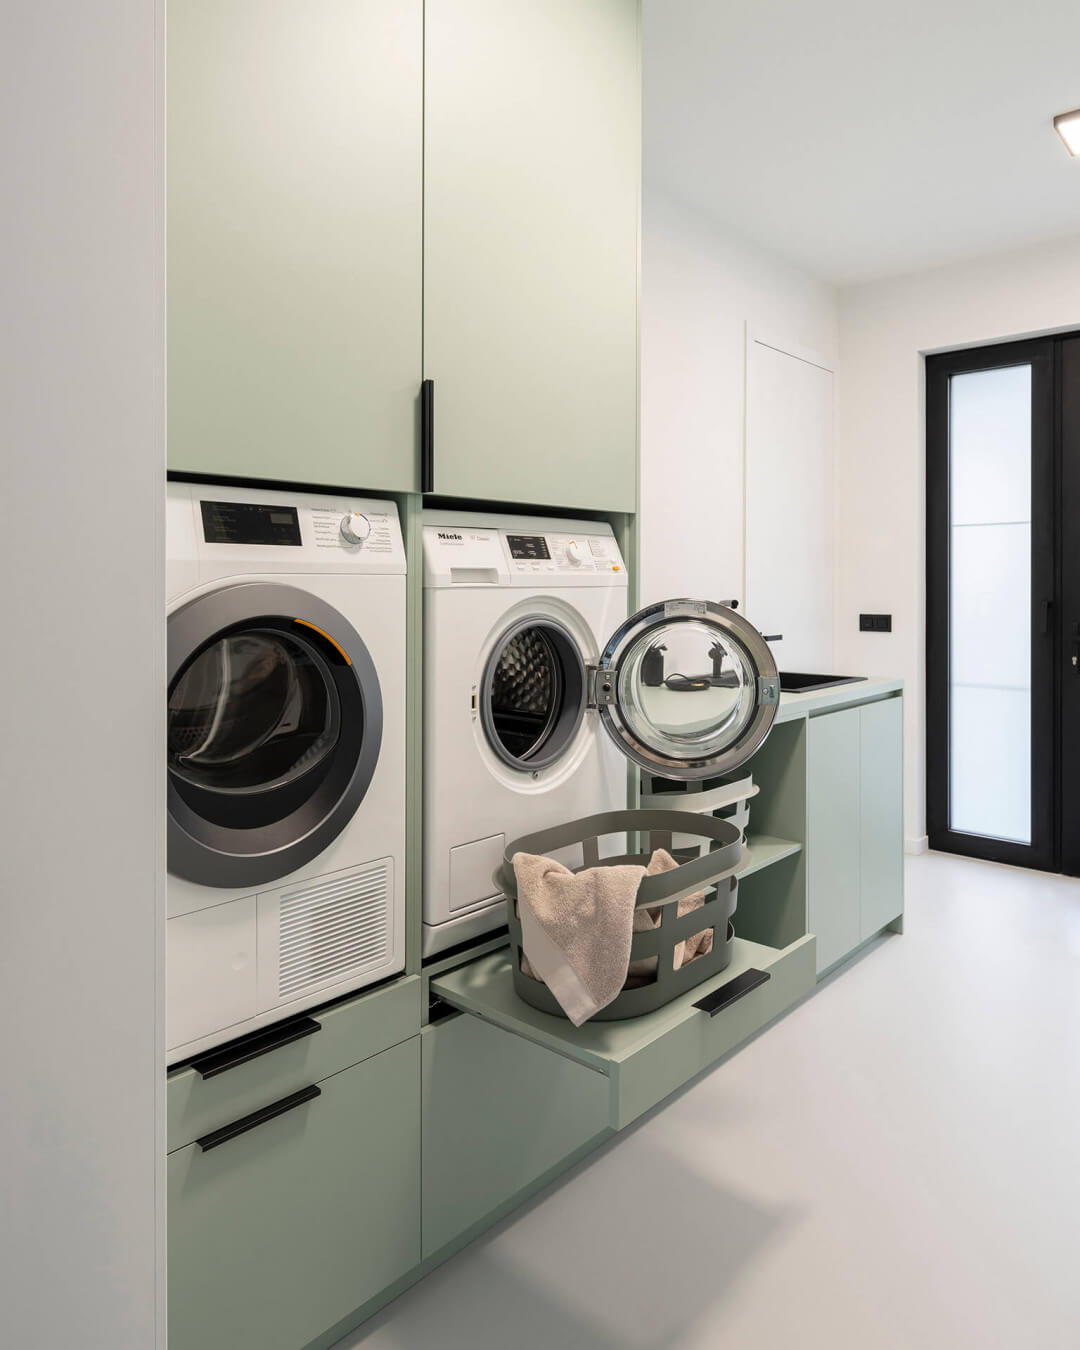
[
  {"x": 250, "y": 523},
  {"x": 528, "y": 546}
]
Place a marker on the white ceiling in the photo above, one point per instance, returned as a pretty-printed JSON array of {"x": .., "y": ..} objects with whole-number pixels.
[{"x": 864, "y": 137}]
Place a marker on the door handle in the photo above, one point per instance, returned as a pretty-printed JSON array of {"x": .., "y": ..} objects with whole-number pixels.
[{"x": 427, "y": 435}]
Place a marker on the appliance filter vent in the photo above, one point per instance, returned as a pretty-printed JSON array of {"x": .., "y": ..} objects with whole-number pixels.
[{"x": 333, "y": 927}]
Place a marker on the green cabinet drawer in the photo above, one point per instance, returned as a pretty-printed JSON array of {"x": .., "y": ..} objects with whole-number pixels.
[
  {"x": 499, "y": 1113},
  {"x": 349, "y": 1032},
  {"x": 294, "y": 206},
  {"x": 285, "y": 1229},
  {"x": 646, "y": 1058}
]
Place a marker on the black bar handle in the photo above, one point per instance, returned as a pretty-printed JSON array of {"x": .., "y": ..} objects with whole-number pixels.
[
  {"x": 427, "y": 435},
  {"x": 250, "y": 1047},
  {"x": 218, "y": 1137},
  {"x": 773, "y": 637},
  {"x": 731, "y": 992}
]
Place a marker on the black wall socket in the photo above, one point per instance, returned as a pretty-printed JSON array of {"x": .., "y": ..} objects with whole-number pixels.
[{"x": 875, "y": 623}]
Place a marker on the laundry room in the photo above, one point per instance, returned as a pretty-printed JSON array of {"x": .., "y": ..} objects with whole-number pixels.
[{"x": 542, "y": 677}]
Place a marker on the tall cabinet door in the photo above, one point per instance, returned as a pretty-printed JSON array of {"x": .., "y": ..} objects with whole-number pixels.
[
  {"x": 532, "y": 172},
  {"x": 295, "y": 169}
]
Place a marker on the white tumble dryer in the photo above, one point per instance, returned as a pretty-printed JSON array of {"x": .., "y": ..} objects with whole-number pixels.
[
  {"x": 286, "y": 756},
  {"x": 516, "y": 609}
]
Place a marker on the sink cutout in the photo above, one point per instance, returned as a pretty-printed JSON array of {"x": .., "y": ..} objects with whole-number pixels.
[{"x": 793, "y": 683}]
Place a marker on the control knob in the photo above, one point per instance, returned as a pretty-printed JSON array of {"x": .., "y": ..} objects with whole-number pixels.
[
  {"x": 575, "y": 554},
  {"x": 355, "y": 527}
]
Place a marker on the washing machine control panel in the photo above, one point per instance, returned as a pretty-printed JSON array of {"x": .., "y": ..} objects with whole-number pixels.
[
  {"x": 567, "y": 553},
  {"x": 517, "y": 555}
]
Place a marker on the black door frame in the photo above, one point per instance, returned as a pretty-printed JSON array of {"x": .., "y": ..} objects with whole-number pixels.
[
  {"x": 1043, "y": 355},
  {"x": 1068, "y": 377}
]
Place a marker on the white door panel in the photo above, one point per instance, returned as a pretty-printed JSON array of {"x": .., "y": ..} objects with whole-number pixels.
[{"x": 789, "y": 505}]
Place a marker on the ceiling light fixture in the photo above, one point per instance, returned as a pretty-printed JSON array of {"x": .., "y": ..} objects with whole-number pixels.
[{"x": 1067, "y": 126}]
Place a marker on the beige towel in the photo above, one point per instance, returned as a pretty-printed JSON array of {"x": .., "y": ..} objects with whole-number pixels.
[
  {"x": 698, "y": 944},
  {"x": 576, "y": 929}
]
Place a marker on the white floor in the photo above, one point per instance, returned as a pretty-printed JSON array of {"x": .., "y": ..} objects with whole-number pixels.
[{"x": 895, "y": 1164}]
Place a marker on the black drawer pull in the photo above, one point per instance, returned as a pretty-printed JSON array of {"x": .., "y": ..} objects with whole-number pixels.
[
  {"x": 260, "y": 1117},
  {"x": 731, "y": 992},
  {"x": 250, "y": 1047}
]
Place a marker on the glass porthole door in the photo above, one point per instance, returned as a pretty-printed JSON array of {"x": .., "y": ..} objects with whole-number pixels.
[
  {"x": 274, "y": 725},
  {"x": 687, "y": 689}
]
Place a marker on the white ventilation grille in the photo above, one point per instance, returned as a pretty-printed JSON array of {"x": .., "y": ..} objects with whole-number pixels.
[{"x": 333, "y": 927}]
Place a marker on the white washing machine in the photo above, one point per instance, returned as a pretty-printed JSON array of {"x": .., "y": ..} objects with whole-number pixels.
[
  {"x": 538, "y": 689},
  {"x": 516, "y": 609},
  {"x": 286, "y": 755}
]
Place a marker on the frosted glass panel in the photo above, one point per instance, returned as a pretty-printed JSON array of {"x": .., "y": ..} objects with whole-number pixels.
[
  {"x": 990, "y": 603},
  {"x": 990, "y": 445},
  {"x": 991, "y": 763}
]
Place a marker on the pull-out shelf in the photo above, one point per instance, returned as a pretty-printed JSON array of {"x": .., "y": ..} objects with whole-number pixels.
[{"x": 646, "y": 1058}]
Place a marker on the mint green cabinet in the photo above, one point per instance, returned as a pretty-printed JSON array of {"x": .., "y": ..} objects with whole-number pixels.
[
  {"x": 881, "y": 818},
  {"x": 532, "y": 173},
  {"x": 854, "y": 853},
  {"x": 282, "y": 1231},
  {"x": 499, "y": 1114},
  {"x": 832, "y": 807},
  {"x": 294, "y": 201}
]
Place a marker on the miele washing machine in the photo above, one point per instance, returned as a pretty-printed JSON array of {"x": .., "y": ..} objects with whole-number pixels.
[
  {"x": 286, "y": 755},
  {"x": 516, "y": 610}
]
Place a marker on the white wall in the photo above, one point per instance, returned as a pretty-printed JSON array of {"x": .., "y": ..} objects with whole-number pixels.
[
  {"x": 885, "y": 327},
  {"x": 81, "y": 688},
  {"x": 699, "y": 290}
]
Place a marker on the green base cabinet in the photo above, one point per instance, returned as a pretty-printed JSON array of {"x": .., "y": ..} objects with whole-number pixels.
[
  {"x": 278, "y": 1233},
  {"x": 295, "y": 177},
  {"x": 832, "y": 805},
  {"x": 855, "y": 880},
  {"x": 498, "y": 1114},
  {"x": 881, "y": 817},
  {"x": 532, "y": 168}
]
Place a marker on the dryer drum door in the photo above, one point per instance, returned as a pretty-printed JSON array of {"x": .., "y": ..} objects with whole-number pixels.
[
  {"x": 274, "y": 728},
  {"x": 687, "y": 689}
]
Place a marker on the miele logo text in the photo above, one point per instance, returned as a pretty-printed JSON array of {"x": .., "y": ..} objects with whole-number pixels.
[{"x": 444, "y": 535}]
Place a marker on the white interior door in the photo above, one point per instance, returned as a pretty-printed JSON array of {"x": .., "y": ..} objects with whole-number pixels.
[{"x": 789, "y": 505}]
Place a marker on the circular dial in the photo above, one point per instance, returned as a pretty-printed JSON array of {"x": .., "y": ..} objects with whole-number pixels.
[
  {"x": 355, "y": 527},
  {"x": 575, "y": 554}
]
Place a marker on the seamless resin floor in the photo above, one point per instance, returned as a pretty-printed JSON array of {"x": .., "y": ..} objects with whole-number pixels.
[{"x": 895, "y": 1164}]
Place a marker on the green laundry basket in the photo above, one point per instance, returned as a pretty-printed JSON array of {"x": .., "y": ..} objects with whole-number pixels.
[{"x": 708, "y": 863}]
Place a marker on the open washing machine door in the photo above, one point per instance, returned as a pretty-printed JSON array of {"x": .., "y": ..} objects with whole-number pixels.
[
  {"x": 274, "y": 730},
  {"x": 686, "y": 689}
]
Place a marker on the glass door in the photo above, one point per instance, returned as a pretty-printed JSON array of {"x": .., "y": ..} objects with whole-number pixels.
[
  {"x": 990, "y": 496},
  {"x": 686, "y": 689}
]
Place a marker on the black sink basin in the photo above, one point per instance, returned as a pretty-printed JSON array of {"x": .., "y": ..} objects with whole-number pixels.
[{"x": 792, "y": 683}]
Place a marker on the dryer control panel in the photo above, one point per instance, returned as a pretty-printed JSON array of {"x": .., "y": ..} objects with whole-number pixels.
[{"x": 214, "y": 531}]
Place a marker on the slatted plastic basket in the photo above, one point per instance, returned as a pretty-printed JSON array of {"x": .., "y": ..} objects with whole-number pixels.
[{"x": 708, "y": 851}]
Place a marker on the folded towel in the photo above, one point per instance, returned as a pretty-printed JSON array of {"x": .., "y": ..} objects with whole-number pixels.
[{"x": 576, "y": 929}]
